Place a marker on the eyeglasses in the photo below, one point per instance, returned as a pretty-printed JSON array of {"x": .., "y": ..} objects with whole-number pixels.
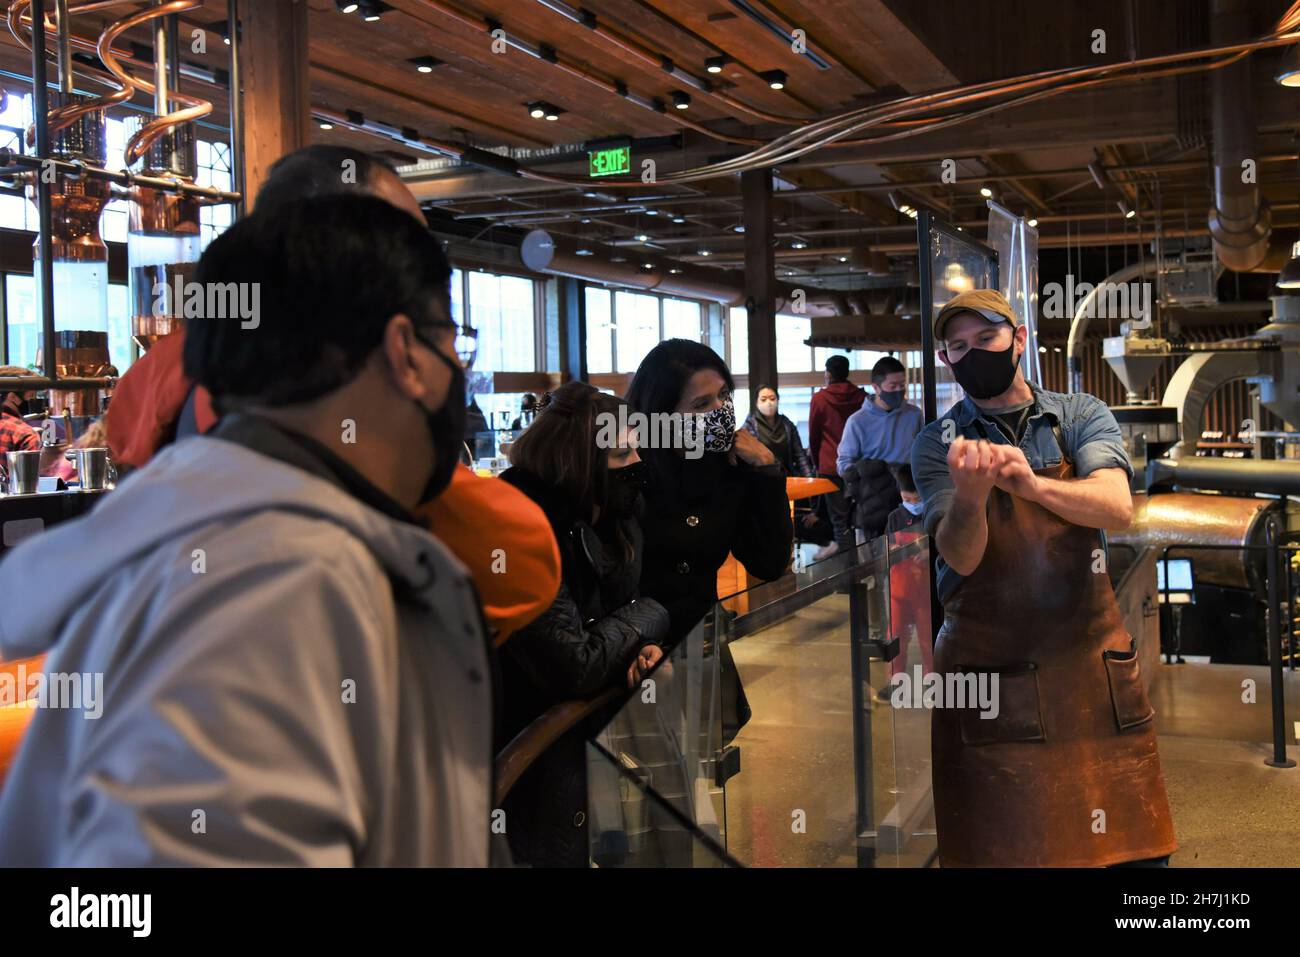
[{"x": 466, "y": 344}]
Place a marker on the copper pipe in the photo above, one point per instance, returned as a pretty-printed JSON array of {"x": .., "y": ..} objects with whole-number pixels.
[{"x": 151, "y": 132}]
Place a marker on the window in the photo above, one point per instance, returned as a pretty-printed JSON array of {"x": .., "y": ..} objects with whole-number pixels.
[
  {"x": 681, "y": 319},
  {"x": 214, "y": 172},
  {"x": 16, "y": 212},
  {"x": 20, "y": 314},
  {"x": 738, "y": 340},
  {"x": 120, "y": 344},
  {"x": 115, "y": 222},
  {"x": 636, "y": 321},
  {"x": 503, "y": 309},
  {"x": 792, "y": 355},
  {"x": 600, "y": 330}
]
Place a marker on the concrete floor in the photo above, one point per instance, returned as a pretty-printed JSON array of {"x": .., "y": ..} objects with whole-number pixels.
[{"x": 794, "y": 802}]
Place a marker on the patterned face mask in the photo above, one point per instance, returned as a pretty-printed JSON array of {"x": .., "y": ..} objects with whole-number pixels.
[{"x": 719, "y": 428}]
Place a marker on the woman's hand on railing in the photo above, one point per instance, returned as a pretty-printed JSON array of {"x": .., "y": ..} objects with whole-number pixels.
[{"x": 642, "y": 665}]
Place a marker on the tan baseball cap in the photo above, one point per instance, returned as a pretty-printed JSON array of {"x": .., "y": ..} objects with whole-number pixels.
[{"x": 989, "y": 303}]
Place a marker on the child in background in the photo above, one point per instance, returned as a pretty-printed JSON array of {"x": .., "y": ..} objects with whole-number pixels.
[{"x": 909, "y": 582}]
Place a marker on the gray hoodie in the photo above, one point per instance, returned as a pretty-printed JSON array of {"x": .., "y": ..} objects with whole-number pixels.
[{"x": 289, "y": 677}]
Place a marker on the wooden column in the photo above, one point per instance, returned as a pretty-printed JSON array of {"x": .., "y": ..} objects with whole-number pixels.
[
  {"x": 760, "y": 276},
  {"x": 273, "y": 65}
]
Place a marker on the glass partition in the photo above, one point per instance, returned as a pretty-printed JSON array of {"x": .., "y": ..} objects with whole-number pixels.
[{"x": 818, "y": 756}]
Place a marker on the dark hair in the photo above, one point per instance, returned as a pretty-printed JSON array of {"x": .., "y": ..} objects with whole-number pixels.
[
  {"x": 903, "y": 476},
  {"x": 759, "y": 391},
  {"x": 319, "y": 170},
  {"x": 885, "y": 367},
  {"x": 838, "y": 367},
  {"x": 560, "y": 447},
  {"x": 664, "y": 372},
  {"x": 330, "y": 273}
]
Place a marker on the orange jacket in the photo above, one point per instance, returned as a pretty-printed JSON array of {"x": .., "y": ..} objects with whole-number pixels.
[{"x": 497, "y": 532}]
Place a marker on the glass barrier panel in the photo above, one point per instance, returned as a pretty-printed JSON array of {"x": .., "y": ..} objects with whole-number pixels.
[{"x": 668, "y": 738}]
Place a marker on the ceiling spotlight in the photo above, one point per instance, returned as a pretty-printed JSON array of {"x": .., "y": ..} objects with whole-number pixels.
[
  {"x": 1289, "y": 277},
  {"x": 584, "y": 219},
  {"x": 1130, "y": 214},
  {"x": 679, "y": 219},
  {"x": 704, "y": 252},
  {"x": 618, "y": 259},
  {"x": 327, "y": 126},
  {"x": 648, "y": 265},
  {"x": 1123, "y": 208},
  {"x": 798, "y": 244},
  {"x": 424, "y": 64},
  {"x": 912, "y": 213},
  {"x": 371, "y": 10},
  {"x": 582, "y": 251},
  {"x": 714, "y": 64},
  {"x": 553, "y": 113},
  {"x": 1033, "y": 223},
  {"x": 844, "y": 259},
  {"x": 225, "y": 40},
  {"x": 738, "y": 228},
  {"x": 345, "y": 6},
  {"x": 641, "y": 237},
  {"x": 675, "y": 271},
  {"x": 537, "y": 110},
  {"x": 681, "y": 100},
  {"x": 1042, "y": 348},
  {"x": 986, "y": 192},
  {"x": 905, "y": 209},
  {"x": 774, "y": 78}
]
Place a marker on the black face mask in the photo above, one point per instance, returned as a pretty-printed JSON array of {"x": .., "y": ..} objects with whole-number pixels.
[
  {"x": 984, "y": 373},
  {"x": 624, "y": 488},
  {"x": 446, "y": 428},
  {"x": 891, "y": 399}
]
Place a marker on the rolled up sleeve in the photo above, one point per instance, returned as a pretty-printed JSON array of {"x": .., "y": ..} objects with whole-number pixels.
[
  {"x": 930, "y": 472},
  {"x": 1095, "y": 439}
]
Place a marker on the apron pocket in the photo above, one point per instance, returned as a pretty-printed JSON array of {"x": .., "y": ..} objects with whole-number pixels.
[
  {"x": 1019, "y": 717},
  {"x": 1127, "y": 696}
]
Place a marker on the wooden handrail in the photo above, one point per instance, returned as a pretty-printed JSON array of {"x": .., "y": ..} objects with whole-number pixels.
[{"x": 529, "y": 744}]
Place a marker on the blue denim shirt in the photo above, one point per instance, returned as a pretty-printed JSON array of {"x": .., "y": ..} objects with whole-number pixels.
[{"x": 1091, "y": 435}]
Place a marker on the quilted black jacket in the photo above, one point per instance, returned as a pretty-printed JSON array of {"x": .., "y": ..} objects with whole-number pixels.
[{"x": 583, "y": 643}]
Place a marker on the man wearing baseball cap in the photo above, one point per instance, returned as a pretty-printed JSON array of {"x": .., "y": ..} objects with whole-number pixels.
[{"x": 1017, "y": 482}]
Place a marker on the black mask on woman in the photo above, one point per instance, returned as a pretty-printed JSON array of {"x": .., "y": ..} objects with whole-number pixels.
[
  {"x": 984, "y": 373},
  {"x": 446, "y": 429},
  {"x": 624, "y": 488}
]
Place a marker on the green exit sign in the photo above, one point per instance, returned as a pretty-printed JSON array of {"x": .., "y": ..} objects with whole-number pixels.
[{"x": 611, "y": 162}]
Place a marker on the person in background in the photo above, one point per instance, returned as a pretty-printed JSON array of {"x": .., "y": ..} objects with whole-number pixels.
[
  {"x": 829, "y": 411},
  {"x": 877, "y": 439},
  {"x": 15, "y": 434},
  {"x": 909, "y": 580},
  {"x": 156, "y": 402},
  {"x": 778, "y": 433},
  {"x": 291, "y": 651},
  {"x": 909, "y": 512},
  {"x": 730, "y": 498},
  {"x": 597, "y": 634},
  {"x": 527, "y": 409}
]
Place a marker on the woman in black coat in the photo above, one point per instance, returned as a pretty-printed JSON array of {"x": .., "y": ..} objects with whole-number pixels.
[
  {"x": 597, "y": 633},
  {"x": 705, "y": 498}
]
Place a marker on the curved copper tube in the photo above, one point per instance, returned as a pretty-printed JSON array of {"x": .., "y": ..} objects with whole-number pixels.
[
  {"x": 64, "y": 116},
  {"x": 154, "y": 129},
  {"x": 127, "y": 85}
]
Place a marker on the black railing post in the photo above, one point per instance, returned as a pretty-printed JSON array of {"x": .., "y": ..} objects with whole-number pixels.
[{"x": 1276, "y": 677}]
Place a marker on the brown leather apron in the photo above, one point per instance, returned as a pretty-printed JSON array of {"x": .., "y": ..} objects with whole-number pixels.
[{"x": 1067, "y": 774}]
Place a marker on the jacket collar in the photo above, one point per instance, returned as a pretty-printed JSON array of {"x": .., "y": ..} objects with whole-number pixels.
[{"x": 1045, "y": 403}]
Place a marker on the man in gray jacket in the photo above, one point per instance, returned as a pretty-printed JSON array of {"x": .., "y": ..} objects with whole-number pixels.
[{"x": 293, "y": 670}]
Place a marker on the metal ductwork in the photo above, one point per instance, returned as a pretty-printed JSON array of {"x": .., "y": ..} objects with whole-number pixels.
[
  {"x": 1240, "y": 221},
  {"x": 556, "y": 255}
]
